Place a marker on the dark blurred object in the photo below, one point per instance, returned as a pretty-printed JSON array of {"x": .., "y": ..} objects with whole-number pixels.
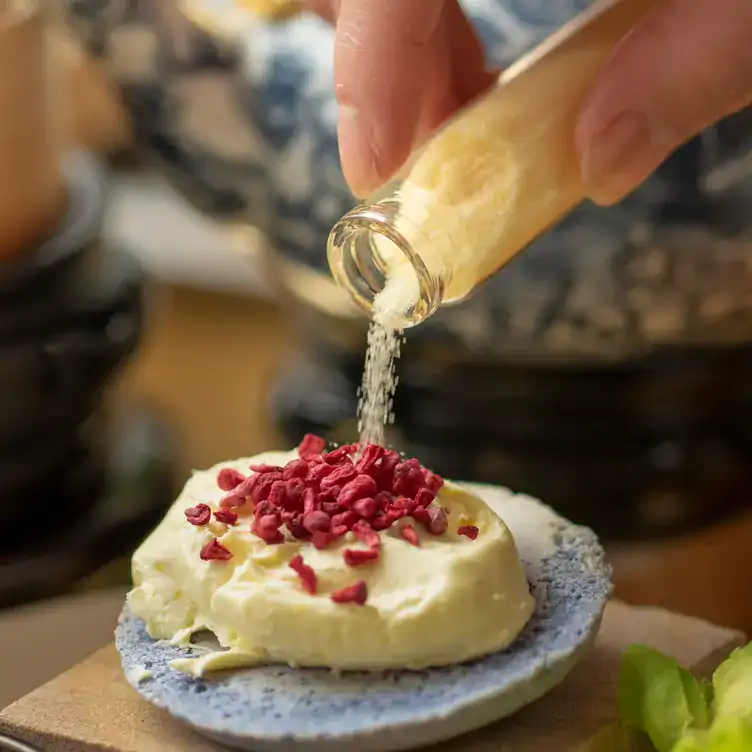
[
  {"x": 655, "y": 448},
  {"x": 71, "y": 315}
]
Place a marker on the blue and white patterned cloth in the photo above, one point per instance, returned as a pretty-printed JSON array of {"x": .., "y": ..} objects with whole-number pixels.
[{"x": 246, "y": 122}]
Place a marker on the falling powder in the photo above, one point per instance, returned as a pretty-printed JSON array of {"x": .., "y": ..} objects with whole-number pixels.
[
  {"x": 385, "y": 336},
  {"x": 379, "y": 381}
]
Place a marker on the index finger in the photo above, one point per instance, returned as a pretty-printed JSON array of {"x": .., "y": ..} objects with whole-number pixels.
[{"x": 382, "y": 65}]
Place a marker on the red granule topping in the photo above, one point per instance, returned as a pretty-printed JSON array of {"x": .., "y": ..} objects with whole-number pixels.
[
  {"x": 366, "y": 534},
  {"x": 227, "y": 478},
  {"x": 409, "y": 534},
  {"x": 366, "y": 508},
  {"x": 320, "y": 496},
  {"x": 346, "y": 519},
  {"x": 469, "y": 531},
  {"x": 317, "y": 522},
  {"x": 267, "y": 528},
  {"x": 295, "y": 469},
  {"x": 198, "y": 515},
  {"x": 433, "y": 482},
  {"x": 438, "y": 522},
  {"x": 317, "y": 473},
  {"x": 226, "y": 515},
  {"x": 339, "y": 476},
  {"x": 360, "y": 487},
  {"x": 265, "y": 468},
  {"x": 305, "y": 573},
  {"x": 322, "y": 539},
  {"x": 355, "y": 557},
  {"x": 241, "y": 494},
  {"x": 369, "y": 457},
  {"x": 215, "y": 551},
  {"x": 311, "y": 444},
  {"x": 357, "y": 593},
  {"x": 309, "y": 501}
]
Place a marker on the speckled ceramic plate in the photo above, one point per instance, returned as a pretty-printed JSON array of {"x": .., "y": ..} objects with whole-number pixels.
[{"x": 280, "y": 708}]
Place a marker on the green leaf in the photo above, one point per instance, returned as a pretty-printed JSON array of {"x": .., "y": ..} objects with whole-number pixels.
[
  {"x": 725, "y": 735},
  {"x": 659, "y": 697},
  {"x": 732, "y": 684}
]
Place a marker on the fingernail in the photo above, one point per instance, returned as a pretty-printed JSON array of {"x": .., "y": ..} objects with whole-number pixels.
[
  {"x": 355, "y": 150},
  {"x": 614, "y": 160}
]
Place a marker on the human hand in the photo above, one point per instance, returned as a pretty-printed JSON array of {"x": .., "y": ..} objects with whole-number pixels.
[{"x": 403, "y": 66}]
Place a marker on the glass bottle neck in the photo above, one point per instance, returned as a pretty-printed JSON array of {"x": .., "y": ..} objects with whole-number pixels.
[{"x": 373, "y": 260}]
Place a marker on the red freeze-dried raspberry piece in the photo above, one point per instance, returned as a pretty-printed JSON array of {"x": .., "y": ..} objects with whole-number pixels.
[
  {"x": 311, "y": 444},
  {"x": 371, "y": 454},
  {"x": 424, "y": 497},
  {"x": 328, "y": 494},
  {"x": 408, "y": 478},
  {"x": 263, "y": 508},
  {"x": 263, "y": 468},
  {"x": 357, "y": 557},
  {"x": 346, "y": 519},
  {"x": 305, "y": 573},
  {"x": 403, "y": 504},
  {"x": 332, "y": 508},
  {"x": 198, "y": 515},
  {"x": 340, "y": 454},
  {"x": 381, "y": 522},
  {"x": 357, "y": 593},
  {"x": 294, "y": 499},
  {"x": 263, "y": 486},
  {"x": 238, "y": 495},
  {"x": 294, "y": 523},
  {"x": 469, "y": 531},
  {"x": 433, "y": 482},
  {"x": 409, "y": 534},
  {"x": 421, "y": 514},
  {"x": 295, "y": 469},
  {"x": 228, "y": 478},
  {"x": 339, "y": 476},
  {"x": 438, "y": 522},
  {"x": 227, "y": 516},
  {"x": 358, "y": 488},
  {"x": 309, "y": 501},
  {"x": 365, "y": 507},
  {"x": 321, "y": 540},
  {"x": 215, "y": 551},
  {"x": 278, "y": 493},
  {"x": 366, "y": 534},
  {"x": 317, "y": 522},
  {"x": 267, "y": 528},
  {"x": 317, "y": 473}
]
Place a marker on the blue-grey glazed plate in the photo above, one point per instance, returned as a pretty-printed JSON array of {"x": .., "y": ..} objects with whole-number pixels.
[{"x": 314, "y": 710}]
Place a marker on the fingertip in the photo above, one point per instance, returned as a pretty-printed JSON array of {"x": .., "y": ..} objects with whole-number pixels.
[{"x": 357, "y": 154}]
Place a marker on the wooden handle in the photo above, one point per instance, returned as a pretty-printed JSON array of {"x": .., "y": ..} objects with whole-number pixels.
[{"x": 32, "y": 192}]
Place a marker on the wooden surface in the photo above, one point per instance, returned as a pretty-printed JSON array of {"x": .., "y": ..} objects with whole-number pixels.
[
  {"x": 92, "y": 709},
  {"x": 209, "y": 362}
]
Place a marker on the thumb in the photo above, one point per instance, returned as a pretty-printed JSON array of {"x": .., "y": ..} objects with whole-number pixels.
[{"x": 684, "y": 67}]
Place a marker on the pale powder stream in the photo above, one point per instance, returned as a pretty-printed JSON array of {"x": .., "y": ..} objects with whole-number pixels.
[{"x": 385, "y": 336}]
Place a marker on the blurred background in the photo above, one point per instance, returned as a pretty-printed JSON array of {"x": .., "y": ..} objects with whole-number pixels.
[{"x": 172, "y": 175}]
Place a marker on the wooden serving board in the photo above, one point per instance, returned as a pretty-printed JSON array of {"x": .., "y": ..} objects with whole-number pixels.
[{"x": 91, "y": 708}]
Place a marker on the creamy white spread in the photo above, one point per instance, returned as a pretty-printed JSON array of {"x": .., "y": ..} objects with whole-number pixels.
[{"x": 448, "y": 600}]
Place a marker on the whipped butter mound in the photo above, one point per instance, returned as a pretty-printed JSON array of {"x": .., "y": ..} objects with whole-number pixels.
[{"x": 397, "y": 584}]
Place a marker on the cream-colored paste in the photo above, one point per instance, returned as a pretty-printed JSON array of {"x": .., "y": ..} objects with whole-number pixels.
[{"x": 449, "y": 600}]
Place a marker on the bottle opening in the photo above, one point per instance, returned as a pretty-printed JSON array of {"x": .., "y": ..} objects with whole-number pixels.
[{"x": 371, "y": 258}]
